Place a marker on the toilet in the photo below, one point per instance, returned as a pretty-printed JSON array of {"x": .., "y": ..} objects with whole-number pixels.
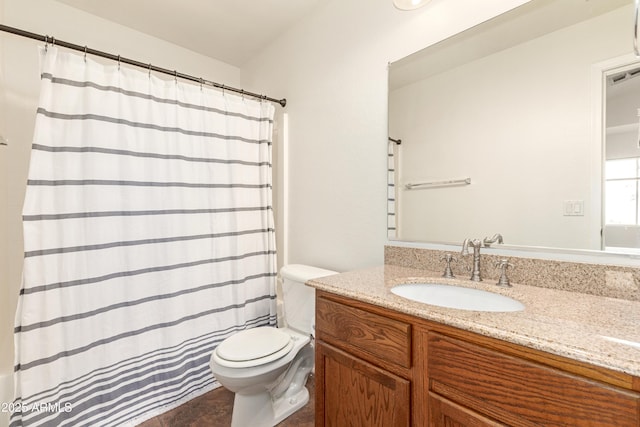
[{"x": 267, "y": 367}]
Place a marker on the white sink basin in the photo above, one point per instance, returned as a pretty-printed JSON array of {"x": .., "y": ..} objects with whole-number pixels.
[{"x": 459, "y": 297}]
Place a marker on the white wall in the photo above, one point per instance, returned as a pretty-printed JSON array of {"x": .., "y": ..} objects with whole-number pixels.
[
  {"x": 332, "y": 67},
  {"x": 19, "y": 88},
  {"x": 6, "y": 299}
]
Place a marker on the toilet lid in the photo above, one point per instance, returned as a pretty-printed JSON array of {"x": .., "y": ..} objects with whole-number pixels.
[{"x": 252, "y": 344}]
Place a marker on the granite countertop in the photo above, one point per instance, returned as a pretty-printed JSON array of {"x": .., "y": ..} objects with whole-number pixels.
[{"x": 594, "y": 329}]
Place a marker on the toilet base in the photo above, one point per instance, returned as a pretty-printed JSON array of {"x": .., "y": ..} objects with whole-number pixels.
[{"x": 258, "y": 410}]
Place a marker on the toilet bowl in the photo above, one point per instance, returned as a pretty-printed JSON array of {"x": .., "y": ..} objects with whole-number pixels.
[{"x": 267, "y": 367}]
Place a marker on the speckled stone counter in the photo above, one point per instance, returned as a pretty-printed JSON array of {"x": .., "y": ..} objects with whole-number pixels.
[
  {"x": 594, "y": 329},
  {"x": 596, "y": 279}
]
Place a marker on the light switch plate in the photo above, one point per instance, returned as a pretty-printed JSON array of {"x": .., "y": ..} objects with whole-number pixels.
[{"x": 573, "y": 208}]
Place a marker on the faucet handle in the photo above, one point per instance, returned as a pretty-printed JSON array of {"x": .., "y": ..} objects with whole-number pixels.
[
  {"x": 447, "y": 258},
  {"x": 503, "y": 265}
]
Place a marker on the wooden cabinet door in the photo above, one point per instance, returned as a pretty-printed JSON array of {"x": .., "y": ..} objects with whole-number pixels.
[
  {"x": 445, "y": 413},
  {"x": 521, "y": 392},
  {"x": 352, "y": 392}
]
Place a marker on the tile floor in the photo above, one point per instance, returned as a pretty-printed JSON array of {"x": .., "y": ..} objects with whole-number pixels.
[{"x": 214, "y": 408}]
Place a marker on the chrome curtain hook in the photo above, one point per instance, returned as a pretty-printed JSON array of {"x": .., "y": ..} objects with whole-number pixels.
[
  {"x": 175, "y": 75},
  {"x": 223, "y": 94},
  {"x": 149, "y": 69},
  {"x": 85, "y": 53},
  {"x": 201, "y": 82},
  {"x": 118, "y": 62},
  {"x": 46, "y": 43}
]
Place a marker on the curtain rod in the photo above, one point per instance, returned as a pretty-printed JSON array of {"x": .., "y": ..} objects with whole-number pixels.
[{"x": 86, "y": 50}]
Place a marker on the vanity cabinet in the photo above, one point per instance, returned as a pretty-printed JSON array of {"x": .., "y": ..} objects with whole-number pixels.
[{"x": 378, "y": 367}]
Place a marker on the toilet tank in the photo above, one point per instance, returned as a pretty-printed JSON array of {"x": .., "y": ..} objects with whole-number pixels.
[{"x": 299, "y": 299}]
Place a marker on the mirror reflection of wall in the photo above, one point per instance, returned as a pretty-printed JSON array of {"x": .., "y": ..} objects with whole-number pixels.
[
  {"x": 622, "y": 164},
  {"x": 519, "y": 123}
]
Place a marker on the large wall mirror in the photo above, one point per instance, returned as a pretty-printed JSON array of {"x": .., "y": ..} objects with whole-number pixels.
[{"x": 526, "y": 125}]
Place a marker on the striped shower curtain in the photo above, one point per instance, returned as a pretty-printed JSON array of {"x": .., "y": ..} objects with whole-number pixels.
[{"x": 149, "y": 238}]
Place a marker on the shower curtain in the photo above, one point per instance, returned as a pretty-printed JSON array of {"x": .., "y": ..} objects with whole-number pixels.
[{"x": 149, "y": 238}]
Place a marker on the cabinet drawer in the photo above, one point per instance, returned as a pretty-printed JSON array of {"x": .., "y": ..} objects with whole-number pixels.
[
  {"x": 373, "y": 337},
  {"x": 520, "y": 392}
]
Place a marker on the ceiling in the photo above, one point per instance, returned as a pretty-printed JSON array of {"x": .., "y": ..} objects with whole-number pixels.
[
  {"x": 232, "y": 31},
  {"x": 526, "y": 22}
]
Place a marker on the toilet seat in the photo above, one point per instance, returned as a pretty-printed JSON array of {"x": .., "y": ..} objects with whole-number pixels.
[{"x": 253, "y": 347}]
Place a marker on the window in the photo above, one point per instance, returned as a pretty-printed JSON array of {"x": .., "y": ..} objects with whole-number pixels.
[{"x": 622, "y": 177}]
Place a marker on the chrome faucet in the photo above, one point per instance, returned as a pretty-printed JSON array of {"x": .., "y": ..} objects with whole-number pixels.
[
  {"x": 476, "y": 244},
  {"x": 496, "y": 238}
]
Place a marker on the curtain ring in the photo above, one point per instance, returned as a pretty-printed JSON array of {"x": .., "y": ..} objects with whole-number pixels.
[
  {"x": 201, "y": 82},
  {"x": 242, "y": 93},
  {"x": 149, "y": 69},
  {"x": 118, "y": 62},
  {"x": 222, "y": 90},
  {"x": 175, "y": 76},
  {"x": 46, "y": 43},
  {"x": 53, "y": 41},
  {"x": 85, "y": 53}
]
